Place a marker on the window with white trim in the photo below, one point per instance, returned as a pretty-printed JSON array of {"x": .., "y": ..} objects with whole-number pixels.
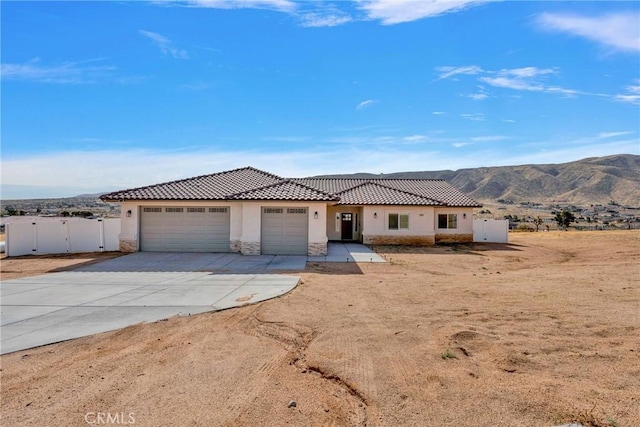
[
  {"x": 447, "y": 221},
  {"x": 398, "y": 221}
]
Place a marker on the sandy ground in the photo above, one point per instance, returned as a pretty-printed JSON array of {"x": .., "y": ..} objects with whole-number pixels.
[
  {"x": 29, "y": 265},
  {"x": 540, "y": 332}
]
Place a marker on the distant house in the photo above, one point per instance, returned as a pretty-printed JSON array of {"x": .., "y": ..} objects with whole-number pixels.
[{"x": 255, "y": 212}]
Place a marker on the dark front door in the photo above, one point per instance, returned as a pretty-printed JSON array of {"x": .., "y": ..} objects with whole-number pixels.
[{"x": 347, "y": 226}]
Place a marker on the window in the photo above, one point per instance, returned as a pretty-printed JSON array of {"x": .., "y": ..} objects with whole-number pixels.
[
  {"x": 447, "y": 220},
  {"x": 272, "y": 210},
  {"x": 152, "y": 209},
  {"x": 195, "y": 210},
  {"x": 297, "y": 210},
  {"x": 174, "y": 210},
  {"x": 398, "y": 221},
  {"x": 218, "y": 210}
]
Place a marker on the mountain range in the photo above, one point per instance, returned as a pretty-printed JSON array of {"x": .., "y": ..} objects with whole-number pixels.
[{"x": 594, "y": 180}]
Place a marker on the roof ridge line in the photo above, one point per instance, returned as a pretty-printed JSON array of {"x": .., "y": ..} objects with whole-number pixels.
[
  {"x": 393, "y": 189},
  {"x": 371, "y": 179},
  {"x": 291, "y": 180},
  {"x": 193, "y": 178},
  {"x": 284, "y": 181}
]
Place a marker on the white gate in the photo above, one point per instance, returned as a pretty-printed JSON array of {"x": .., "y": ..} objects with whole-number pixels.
[
  {"x": 63, "y": 236},
  {"x": 491, "y": 230}
]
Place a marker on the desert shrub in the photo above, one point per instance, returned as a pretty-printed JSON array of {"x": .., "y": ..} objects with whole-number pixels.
[{"x": 524, "y": 227}]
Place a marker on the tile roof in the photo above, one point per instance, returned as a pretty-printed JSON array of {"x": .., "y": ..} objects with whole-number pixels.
[
  {"x": 285, "y": 190},
  {"x": 216, "y": 186},
  {"x": 372, "y": 193},
  {"x": 253, "y": 184},
  {"x": 435, "y": 189}
]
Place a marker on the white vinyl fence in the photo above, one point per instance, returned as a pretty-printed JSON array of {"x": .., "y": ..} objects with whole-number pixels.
[
  {"x": 491, "y": 230},
  {"x": 63, "y": 236}
]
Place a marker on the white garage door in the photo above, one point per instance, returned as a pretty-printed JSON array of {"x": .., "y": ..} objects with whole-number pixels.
[
  {"x": 184, "y": 229},
  {"x": 284, "y": 231}
]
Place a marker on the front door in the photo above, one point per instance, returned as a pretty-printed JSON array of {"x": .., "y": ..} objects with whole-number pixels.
[{"x": 347, "y": 227}]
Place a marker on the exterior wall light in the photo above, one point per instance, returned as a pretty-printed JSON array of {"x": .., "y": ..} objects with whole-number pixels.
[
  {"x": 375, "y": 214},
  {"x": 129, "y": 213},
  {"x": 315, "y": 214},
  {"x": 464, "y": 215}
]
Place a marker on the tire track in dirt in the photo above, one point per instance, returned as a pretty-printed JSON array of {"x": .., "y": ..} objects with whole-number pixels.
[{"x": 296, "y": 339}]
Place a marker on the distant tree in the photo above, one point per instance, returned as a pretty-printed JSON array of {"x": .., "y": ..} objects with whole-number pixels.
[
  {"x": 11, "y": 210},
  {"x": 524, "y": 227},
  {"x": 564, "y": 219},
  {"x": 538, "y": 222}
]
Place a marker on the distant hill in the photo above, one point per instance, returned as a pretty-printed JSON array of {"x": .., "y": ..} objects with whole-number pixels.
[{"x": 588, "y": 181}]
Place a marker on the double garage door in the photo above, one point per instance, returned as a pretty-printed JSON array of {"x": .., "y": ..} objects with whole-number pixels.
[
  {"x": 184, "y": 229},
  {"x": 284, "y": 230}
]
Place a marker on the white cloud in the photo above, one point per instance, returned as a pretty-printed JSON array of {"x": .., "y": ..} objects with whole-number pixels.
[
  {"x": 391, "y": 12},
  {"x": 616, "y": 30},
  {"x": 519, "y": 78},
  {"x": 523, "y": 79},
  {"x": 324, "y": 19},
  {"x": 632, "y": 95},
  {"x": 478, "y": 96},
  {"x": 365, "y": 104},
  {"x": 414, "y": 138},
  {"x": 476, "y": 117},
  {"x": 82, "y": 72},
  {"x": 613, "y": 134},
  {"x": 489, "y": 138},
  {"x": 164, "y": 44},
  {"x": 447, "y": 71},
  {"x": 461, "y": 144},
  {"x": 438, "y": 113},
  {"x": 280, "y": 5}
]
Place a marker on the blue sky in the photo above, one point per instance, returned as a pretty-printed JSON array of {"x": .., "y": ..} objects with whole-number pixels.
[{"x": 99, "y": 96}]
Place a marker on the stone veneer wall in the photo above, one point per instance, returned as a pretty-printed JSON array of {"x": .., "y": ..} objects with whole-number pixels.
[
  {"x": 398, "y": 240},
  {"x": 235, "y": 246},
  {"x": 317, "y": 249},
  {"x": 250, "y": 248},
  {"x": 454, "y": 238},
  {"x": 128, "y": 245}
]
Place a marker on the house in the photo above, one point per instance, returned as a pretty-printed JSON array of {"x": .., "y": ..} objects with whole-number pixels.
[{"x": 255, "y": 212}]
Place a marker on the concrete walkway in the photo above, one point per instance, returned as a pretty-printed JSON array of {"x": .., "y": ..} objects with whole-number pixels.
[{"x": 347, "y": 252}]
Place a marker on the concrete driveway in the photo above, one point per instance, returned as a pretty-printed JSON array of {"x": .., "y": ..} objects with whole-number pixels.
[
  {"x": 60, "y": 306},
  {"x": 146, "y": 287}
]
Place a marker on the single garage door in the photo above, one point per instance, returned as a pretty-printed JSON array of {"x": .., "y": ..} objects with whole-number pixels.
[
  {"x": 184, "y": 229},
  {"x": 284, "y": 231}
]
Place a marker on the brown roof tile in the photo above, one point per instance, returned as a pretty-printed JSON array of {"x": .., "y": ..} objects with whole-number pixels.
[
  {"x": 371, "y": 193},
  {"x": 216, "y": 186},
  {"x": 253, "y": 184},
  {"x": 285, "y": 190},
  {"x": 435, "y": 189}
]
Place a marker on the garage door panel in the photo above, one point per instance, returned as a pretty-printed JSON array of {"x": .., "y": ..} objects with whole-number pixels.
[
  {"x": 284, "y": 231},
  {"x": 185, "y": 229}
]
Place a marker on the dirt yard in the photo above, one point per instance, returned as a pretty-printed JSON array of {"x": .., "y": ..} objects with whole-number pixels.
[{"x": 540, "y": 332}]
